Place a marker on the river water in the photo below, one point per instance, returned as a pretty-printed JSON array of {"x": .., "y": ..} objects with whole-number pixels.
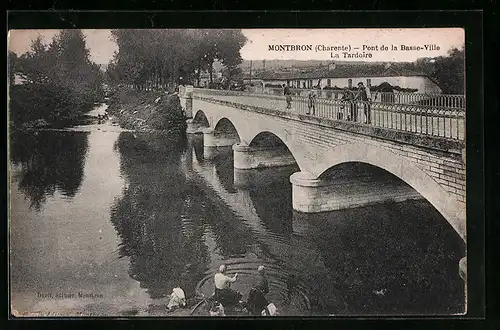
[{"x": 108, "y": 223}]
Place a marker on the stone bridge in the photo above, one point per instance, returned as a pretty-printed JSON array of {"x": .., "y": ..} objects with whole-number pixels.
[{"x": 264, "y": 133}]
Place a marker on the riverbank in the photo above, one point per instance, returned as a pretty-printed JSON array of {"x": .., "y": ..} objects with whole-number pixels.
[
  {"x": 147, "y": 111},
  {"x": 41, "y": 124},
  {"x": 33, "y": 106}
]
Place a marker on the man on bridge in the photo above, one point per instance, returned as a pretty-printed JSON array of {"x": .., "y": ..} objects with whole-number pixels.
[
  {"x": 288, "y": 96},
  {"x": 364, "y": 96}
]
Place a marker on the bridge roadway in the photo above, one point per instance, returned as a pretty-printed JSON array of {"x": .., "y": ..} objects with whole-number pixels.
[{"x": 411, "y": 118}]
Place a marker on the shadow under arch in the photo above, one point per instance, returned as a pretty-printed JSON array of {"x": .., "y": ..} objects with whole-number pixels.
[
  {"x": 445, "y": 203},
  {"x": 297, "y": 150},
  {"x": 201, "y": 119},
  {"x": 267, "y": 139},
  {"x": 225, "y": 126}
]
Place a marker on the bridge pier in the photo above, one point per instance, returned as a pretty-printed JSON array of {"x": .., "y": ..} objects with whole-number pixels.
[
  {"x": 214, "y": 152},
  {"x": 247, "y": 157},
  {"x": 212, "y": 138},
  {"x": 194, "y": 128},
  {"x": 313, "y": 195},
  {"x": 260, "y": 177}
]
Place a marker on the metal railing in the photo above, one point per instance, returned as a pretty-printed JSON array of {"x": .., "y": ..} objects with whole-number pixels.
[
  {"x": 431, "y": 99},
  {"x": 425, "y": 116}
]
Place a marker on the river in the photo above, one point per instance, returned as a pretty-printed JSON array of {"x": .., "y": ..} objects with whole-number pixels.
[{"x": 104, "y": 222}]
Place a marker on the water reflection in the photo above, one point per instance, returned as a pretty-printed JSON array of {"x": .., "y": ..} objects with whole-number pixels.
[
  {"x": 153, "y": 217},
  {"x": 390, "y": 258},
  {"x": 180, "y": 215},
  {"x": 273, "y": 208},
  {"x": 48, "y": 161},
  {"x": 387, "y": 258}
]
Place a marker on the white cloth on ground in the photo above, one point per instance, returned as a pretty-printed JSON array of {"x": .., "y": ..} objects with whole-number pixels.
[
  {"x": 271, "y": 309},
  {"x": 177, "y": 298}
]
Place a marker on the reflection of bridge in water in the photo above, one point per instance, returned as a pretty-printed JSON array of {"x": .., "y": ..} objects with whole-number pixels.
[
  {"x": 252, "y": 207},
  {"x": 242, "y": 226},
  {"x": 240, "y": 202}
]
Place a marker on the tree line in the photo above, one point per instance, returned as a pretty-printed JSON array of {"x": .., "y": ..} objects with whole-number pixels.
[
  {"x": 59, "y": 82},
  {"x": 448, "y": 72},
  {"x": 165, "y": 58}
]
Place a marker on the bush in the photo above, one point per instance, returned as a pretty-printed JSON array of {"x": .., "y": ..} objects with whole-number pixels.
[{"x": 139, "y": 110}]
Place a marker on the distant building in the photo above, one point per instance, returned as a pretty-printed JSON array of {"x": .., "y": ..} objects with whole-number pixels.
[
  {"x": 346, "y": 75},
  {"x": 205, "y": 78}
]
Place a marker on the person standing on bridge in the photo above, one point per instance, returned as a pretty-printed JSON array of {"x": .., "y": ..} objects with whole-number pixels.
[
  {"x": 348, "y": 104},
  {"x": 364, "y": 96},
  {"x": 288, "y": 96},
  {"x": 311, "y": 102}
]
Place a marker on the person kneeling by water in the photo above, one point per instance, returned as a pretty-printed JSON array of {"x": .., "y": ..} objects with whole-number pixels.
[
  {"x": 223, "y": 293},
  {"x": 257, "y": 301}
]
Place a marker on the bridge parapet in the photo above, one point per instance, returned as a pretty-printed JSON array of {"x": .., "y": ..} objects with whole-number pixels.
[{"x": 439, "y": 120}]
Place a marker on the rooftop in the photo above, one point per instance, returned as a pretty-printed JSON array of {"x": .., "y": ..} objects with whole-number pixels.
[{"x": 340, "y": 71}]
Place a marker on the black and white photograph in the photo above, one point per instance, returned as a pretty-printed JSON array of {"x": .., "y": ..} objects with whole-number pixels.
[{"x": 237, "y": 172}]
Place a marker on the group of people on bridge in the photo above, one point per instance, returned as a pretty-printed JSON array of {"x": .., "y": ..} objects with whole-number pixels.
[{"x": 349, "y": 100}]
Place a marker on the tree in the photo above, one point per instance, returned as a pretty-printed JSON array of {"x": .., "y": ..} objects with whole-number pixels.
[
  {"x": 229, "y": 50},
  {"x": 160, "y": 58},
  {"x": 61, "y": 80},
  {"x": 34, "y": 66},
  {"x": 13, "y": 62},
  {"x": 449, "y": 71}
]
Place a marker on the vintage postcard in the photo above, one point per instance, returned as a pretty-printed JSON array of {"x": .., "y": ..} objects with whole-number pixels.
[{"x": 237, "y": 172}]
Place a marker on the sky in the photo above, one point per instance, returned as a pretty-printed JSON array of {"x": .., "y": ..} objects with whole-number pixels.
[{"x": 442, "y": 40}]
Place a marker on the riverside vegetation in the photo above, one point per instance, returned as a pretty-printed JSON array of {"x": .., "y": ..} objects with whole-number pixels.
[
  {"x": 149, "y": 111},
  {"x": 53, "y": 85}
]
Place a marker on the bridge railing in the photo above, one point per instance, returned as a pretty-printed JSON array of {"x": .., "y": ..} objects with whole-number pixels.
[
  {"x": 437, "y": 118},
  {"x": 431, "y": 99}
]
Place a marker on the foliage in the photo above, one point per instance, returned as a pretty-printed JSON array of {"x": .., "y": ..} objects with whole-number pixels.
[
  {"x": 164, "y": 58},
  {"x": 140, "y": 110},
  {"x": 449, "y": 71},
  {"x": 60, "y": 81},
  {"x": 12, "y": 66},
  {"x": 47, "y": 162}
]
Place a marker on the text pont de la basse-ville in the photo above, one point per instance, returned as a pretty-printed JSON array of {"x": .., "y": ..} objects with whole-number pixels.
[{"x": 347, "y": 48}]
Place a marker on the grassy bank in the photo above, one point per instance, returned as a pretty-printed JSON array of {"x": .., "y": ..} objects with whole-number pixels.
[{"x": 147, "y": 111}]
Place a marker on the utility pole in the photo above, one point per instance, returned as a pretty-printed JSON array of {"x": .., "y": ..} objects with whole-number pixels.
[{"x": 263, "y": 65}]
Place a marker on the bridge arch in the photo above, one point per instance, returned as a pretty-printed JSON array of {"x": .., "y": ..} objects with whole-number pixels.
[
  {"x": 266, "y": 139},
  {"x": 298, "y": 151},
  {"x": 226, "y": 126},
  {"x": 425, "y": 185},
  {"x": 201, "y": 119}
]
